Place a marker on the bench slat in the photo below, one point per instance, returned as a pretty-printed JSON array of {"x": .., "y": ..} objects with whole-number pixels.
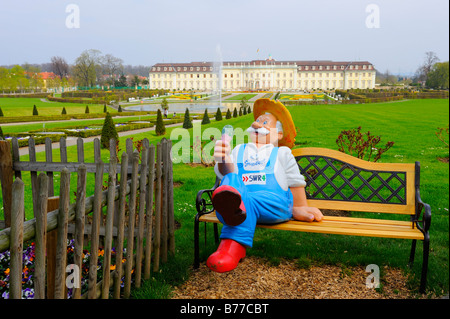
[{"x": 345, "y": 226}]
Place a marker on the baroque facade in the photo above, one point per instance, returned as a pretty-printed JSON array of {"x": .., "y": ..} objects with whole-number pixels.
[{"x": 270, "y": 75}]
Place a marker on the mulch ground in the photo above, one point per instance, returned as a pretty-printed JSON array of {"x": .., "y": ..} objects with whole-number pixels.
[{"x": 256, "y": 279}]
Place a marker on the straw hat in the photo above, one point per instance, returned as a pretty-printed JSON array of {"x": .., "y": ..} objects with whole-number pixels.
[{"x": 282, "y": 114}]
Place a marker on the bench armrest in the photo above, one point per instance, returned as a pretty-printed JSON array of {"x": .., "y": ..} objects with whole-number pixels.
[
  {"x": 203, "y": 203},
  {"x": 424, "y": 224},
  {"x": 426, "y": 215}
]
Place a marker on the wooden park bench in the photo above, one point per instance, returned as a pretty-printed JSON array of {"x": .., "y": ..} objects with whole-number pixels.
[{"x": 337, "y": 181}]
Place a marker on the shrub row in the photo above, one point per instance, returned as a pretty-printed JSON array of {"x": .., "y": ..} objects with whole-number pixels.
[
  {"x": 27, "y": 95},
  {"x": 38, "y": 138}
]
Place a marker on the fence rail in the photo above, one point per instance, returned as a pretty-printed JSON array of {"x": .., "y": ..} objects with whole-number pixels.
[{"x": 129, "y": 226}]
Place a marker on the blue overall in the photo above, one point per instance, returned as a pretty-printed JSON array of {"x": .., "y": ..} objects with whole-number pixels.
[{"x": 264, "y": 199}]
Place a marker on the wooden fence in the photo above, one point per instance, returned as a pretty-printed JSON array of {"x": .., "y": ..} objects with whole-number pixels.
[{"x": 129, "y": 226}]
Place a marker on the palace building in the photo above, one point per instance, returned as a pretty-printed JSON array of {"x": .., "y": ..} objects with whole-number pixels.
[{"x": 263, "y": 75}]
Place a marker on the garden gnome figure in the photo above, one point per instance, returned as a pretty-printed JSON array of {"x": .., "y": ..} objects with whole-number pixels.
[{"x": 260, "y": 183}]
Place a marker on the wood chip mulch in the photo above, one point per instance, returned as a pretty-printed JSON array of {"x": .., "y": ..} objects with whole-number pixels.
[{"x": 256, "y": 279}]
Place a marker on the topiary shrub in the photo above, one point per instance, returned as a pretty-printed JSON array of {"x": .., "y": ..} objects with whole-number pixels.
[
  {"x": 86, "y": 110},
  {"x": 108, "y": 131},
  {"x": 205, "y": 119},
  {"x": 63, "y": 112},
  {"x": 187, "y": 120},
  {"x": 160, "y": 128},
  {"x": 35, "y": 111},
  {"x": 228, "y": 116},
  {"x": 218, "y": 115}
]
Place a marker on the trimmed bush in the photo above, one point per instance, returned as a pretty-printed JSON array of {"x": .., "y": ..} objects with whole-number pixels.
[
  {"x": 160, "y": 128},
  {"x": 35, "y": 111},
  {"x": 235, "y": 113},
  {"x": 1, "y": 133},
  {"x": 218, "y": 115},
  {"x": 228, "y": 116},
  {"x": 205, "y": 119},
  {"x": 108, "y": 131},
  {"x": 187, "y": 120},
  {"x": 86, "y": 110},
  {"x": 63, "y": 112},
  {"x": 1, "y": 112},
  {"x": 119, "y": 109}
]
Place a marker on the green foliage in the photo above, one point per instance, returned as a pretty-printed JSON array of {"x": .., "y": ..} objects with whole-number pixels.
[
  {"x": 438, "y": 77},
  {"x": 249, "y": 110},
  {"x": 108, "y": 131},
  {"x": 164, "y": 104},
  {"x": 187, "y": 120},
  {"x": 205, "y": 119},
  {"x": 63, "y": 112},
  {"x": 104, "y": 108},
  {"x": 86, "y": 110},
  {"x": 218, "y": 115},
  {"x": 160, "y": 128},
  {"x": 228, "y": 116},
  {"x": 1, "y": 133},
  {"x": 235, "y": 113},
  {"x": 119, "y": 109},
  {"x": 1, "y": 112},
  {"x": 35, "y": 111}
]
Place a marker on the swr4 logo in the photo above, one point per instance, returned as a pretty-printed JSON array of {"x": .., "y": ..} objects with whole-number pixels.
[{"x": 254, "y": 179}]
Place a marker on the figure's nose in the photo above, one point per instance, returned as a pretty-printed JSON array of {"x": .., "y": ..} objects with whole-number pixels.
[{"x": 256, "y": 125}]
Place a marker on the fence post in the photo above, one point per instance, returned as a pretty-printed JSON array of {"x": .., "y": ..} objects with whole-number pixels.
[
  {"x": 157, "y": 242},
  {"x": 6, "y": 179},
  {"x": 41, "y": 235},
  {"x": 61, "y": 248},
  {"x": 149, "y": 212},
  {"x": 79, "y": 225},
  {"x": 164, "y": 217},
  {"x": 120, "y": 225},
  {"x": 109, "y": 225},
  {"x": 52, "y": 204},
  {"x": 17, "y": 216},
  {"x": 131, "y": 222}
]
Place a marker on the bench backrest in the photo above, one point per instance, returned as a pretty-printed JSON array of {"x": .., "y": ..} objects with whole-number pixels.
[{"x": 336, "y": 180}]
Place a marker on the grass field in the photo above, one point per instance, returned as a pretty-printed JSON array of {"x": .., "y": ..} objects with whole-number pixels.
[
  {"x": 239, "y": 97},
  {"x": 411, "y": 125},
  {"x": 24, "y": 107}
]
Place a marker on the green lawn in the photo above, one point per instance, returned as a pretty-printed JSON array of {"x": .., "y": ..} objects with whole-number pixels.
[
  {"x": 239, "y": 97},
  {"x": 24, "y": 107},
  {"x": 410, "y": 124}
]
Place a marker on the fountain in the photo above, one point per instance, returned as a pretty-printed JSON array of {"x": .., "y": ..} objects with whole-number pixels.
[{"x": 218, "y": 64}]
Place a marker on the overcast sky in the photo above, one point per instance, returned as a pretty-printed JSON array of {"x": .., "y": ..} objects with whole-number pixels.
[{"x": 392, "y": 34}]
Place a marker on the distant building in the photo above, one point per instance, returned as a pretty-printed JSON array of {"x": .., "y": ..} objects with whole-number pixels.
[{"x": 263, "y": 75}]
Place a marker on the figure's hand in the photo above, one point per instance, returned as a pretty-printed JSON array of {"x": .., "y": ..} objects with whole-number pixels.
[
  {"x": 222, "y": 152},
  {"x": 307, "y": 214}
]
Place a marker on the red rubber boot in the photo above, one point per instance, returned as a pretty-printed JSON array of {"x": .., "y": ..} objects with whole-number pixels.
[
  {"x": 227, "y": 201},
  {"x": 227, "y": 256}
]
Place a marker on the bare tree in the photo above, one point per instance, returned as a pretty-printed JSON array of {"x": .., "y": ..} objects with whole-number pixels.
[
  {"x": 422, "y": 72},
  {"x": 112, "y": 67},
  {"x": 59, "y": 66}
]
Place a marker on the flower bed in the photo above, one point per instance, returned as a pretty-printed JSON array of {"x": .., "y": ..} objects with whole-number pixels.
[{"x": 28, "y": 270}]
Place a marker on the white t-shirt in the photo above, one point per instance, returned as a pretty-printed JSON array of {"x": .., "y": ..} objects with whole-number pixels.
[{"x": 286, "y": 169}]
